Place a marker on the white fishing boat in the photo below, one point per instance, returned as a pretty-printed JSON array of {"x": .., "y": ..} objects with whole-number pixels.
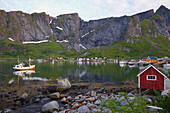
[{"x": 21, "y": 66}]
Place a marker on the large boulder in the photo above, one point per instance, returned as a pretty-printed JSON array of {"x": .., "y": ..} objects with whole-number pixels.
[
  {"x": 50, "y": 107},
  {"x": 63, "y": 85}
]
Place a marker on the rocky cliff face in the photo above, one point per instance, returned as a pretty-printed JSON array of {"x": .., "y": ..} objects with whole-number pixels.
[
  {"x": 23, "y": 27},
  {"x": 106, "y": 31},
  {"x": 66, "y": 28},
  {"x": 79, "y": 34}
]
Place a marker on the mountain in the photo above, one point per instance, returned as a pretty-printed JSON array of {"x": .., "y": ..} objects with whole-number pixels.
[
  {"x": 74, "y": 34},
  {"x": 97, "y": 32},
  {"x": 24, "y": 27}
]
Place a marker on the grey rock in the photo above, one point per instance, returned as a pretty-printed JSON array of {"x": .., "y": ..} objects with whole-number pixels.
[
  {"x": 165, "y": 92},
  {"x": 112, "y": 98},
  {"x": 93, "y": 93},
  {"x": 55, "y": 112},
  {"x": 119, "y": 99},
  {"x": 148, "y": 99},
  {"x": 106, "y": 110},
  {"x": 69, "y": 98},
  {"x": 91, "y": 106},
  {"x": 90, "y": 99},
  {"x": 24, "y": 96},
  {"x": 74, "y": 104},
  {"x": 83, "y": 109},
  {"x": 63, "y": 85},
  {"x": 45, "y": 99},
  {"x": 96, "y": 110},
  {"x": 72, "y": 111},
  {"x": 55, "y": 95},
  {"x": 61, "y": 111},
  {"x": 50, "y": 107},
  {"x": 76, "y": 97},
  {"x": 97, "y": 102},
  {"x": 130, "y": 94}
]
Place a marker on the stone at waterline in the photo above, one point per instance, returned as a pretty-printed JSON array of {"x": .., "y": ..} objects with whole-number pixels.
[
  {"x": 50, "y": 107},
  {"x": 63, "y": 84},
  {"x": 55, "y": 95}
]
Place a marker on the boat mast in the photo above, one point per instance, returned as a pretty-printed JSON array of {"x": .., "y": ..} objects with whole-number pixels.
[
  {"x": 29, "y": 61},
  {"x": 18, "y": 60}
]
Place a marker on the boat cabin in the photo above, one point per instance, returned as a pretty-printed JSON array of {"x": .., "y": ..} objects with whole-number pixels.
[
  {"x": 152, "y": 59},
  {"x": 152, "y": 78}
]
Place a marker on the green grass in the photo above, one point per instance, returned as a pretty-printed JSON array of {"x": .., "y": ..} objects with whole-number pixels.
[{"x": 44, "y": 50}]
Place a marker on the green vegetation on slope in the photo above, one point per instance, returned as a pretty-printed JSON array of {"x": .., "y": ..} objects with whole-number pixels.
[
  {"x": 136, "y": 48},
  {"x": 131, "y": 48},
  {"x": 43, "y": 50}
]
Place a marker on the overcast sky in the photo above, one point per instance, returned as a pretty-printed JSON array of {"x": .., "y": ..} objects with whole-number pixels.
[{"x": 87, "y": 9}]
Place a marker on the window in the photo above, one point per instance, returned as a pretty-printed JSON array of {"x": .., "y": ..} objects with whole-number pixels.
[{"x": 151, "y": 77}]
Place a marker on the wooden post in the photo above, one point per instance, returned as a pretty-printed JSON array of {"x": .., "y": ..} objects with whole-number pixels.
[{"x": 140, "y": 91}]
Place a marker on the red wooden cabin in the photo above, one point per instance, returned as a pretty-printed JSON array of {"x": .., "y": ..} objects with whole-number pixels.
[{"x": 151, "y": 78}]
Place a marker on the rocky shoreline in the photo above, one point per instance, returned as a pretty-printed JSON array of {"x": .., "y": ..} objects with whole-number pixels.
[{"x": 80, "y": 96}]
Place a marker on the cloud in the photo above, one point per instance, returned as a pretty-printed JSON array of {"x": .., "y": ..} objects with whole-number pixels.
[{"x": 87, "y": 9}]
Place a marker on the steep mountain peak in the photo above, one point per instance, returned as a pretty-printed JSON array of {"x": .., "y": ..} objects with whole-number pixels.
[
  {"x": 162, "y": 9},
  {"x": 145, "y": 15}
]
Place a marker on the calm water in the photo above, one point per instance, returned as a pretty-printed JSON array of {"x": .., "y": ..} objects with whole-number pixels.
[{"x": 76, "y": 72}]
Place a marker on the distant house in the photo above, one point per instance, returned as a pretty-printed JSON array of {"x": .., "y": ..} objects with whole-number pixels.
[
  {"x": 152, "y": 59},
  {"x": 151, "y": 78},
  {"x": 144, "y": 59}
]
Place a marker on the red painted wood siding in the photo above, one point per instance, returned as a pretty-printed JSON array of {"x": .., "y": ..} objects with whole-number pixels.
[{"x": 152, "y": 84}]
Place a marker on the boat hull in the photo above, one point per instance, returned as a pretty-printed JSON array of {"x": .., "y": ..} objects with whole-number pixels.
[{"x": 32, "y": 67}]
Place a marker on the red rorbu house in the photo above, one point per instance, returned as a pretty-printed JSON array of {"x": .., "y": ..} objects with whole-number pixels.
[{"x": 152, "y": 78}]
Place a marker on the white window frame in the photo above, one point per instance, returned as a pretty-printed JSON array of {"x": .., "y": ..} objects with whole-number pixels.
[{"x": 151, "y": 79}]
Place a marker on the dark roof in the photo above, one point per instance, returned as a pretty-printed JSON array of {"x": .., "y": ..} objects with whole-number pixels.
[{"x": 152, "y": 57}]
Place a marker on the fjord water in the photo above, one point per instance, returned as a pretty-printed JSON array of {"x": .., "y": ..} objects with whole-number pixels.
[{"x": 75, "y": 72}]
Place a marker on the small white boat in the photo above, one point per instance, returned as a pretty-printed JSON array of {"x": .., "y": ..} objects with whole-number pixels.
[
  {"x": 131, "y": 62},
  {"x": 166, "y": 65},
  {"x": 122, "y": 62},
  {"x": 80, "y": 60},
  {"x": 21, "y": 66}
]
